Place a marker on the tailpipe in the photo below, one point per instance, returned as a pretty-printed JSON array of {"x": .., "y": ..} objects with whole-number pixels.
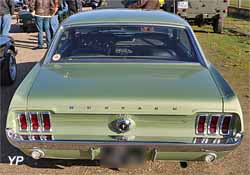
[
  {"x": 211, "y": 157},
  {"x": 37, "y": 154}
]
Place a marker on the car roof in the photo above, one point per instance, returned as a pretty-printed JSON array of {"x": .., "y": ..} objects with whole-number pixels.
[{"x": 103, "y": 16}]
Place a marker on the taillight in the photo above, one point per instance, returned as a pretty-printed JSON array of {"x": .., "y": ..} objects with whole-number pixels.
[
  {"x": 201, "y": 124},
  {"x": 225, "y": 126},
  {"x": 34, "y": 121},
  {"x": 46, "y": 121},
  {"x": 218, "y": 124},
  {"x": 23, "y": 121},
  {"x": 213, "y": 124},
  {"x": 35, "y": 126}
]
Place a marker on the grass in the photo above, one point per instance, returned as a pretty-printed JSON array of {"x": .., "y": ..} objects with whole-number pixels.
[
  {"x": 236, "y": 24},
  {"x": 244, "y": 3},
  {"x": 229, "y": 48}
]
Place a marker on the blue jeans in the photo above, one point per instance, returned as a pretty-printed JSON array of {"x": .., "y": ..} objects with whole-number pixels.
[
  {"x": 5, "y": 24},
  {"x": 43, "y": 23},
  {"x": 54, "y": 23}
]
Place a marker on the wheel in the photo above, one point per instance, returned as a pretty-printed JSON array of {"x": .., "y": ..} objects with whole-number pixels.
[
  {"x": 218, "y": 25},
  {"x": 8, "y": 69}
]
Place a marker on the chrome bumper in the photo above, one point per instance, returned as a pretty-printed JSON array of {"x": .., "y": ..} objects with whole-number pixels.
[{"x": 160, "y": 146}]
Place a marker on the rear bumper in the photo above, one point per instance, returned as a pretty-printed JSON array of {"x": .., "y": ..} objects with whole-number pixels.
[{"x": 231, "y": 144}]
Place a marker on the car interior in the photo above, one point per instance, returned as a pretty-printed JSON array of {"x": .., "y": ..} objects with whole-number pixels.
[{"x": 126, "y": 42}]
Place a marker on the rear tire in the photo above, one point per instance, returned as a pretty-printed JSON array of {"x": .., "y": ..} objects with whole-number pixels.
[
  {"x": 218, "y": 25},
  {"x": 8, "y": 69}
]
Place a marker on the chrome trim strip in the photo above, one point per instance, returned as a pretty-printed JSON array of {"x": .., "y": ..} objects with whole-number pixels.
[
  {"x": 160, "y": 146},
  {"x": 197, "y": 49}
]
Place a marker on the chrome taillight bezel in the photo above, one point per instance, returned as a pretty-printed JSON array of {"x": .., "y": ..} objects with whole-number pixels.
[
  {"x": 27, "y": 121},
  {"x": 22, "y": 137},
  {"x": 32, "y": 137},
  {"x": 197, "y": 123},
  {"x": 196, "y": 140},
  {"x": 217, "y": 124},
  {"x": 42, "y": 122},
  {"x": 230, "y": 130},
  {"x": 44, "y": 137},
  {"x": 28, "y": 117},
  {"x": 39, "y": 122}
]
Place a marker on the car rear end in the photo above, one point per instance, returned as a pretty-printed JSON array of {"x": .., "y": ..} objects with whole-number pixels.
[
  {"x": 160, "y": 122},
  {"x": 75, "y": 106},
  {"x": 201, "y": 136}
]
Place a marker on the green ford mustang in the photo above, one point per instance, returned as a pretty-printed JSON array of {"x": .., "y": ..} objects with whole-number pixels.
[{"x": 125, "y": 85}]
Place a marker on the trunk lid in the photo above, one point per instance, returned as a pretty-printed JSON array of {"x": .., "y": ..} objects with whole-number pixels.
[
  {"x": 162, "y": 99},
  {"x": 137, "y": 88}
]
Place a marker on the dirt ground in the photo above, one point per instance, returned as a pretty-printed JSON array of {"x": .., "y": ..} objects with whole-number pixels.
[{"x": 235, "y": 70}]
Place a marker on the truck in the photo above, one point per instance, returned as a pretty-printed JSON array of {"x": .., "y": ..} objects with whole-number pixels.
[
  {"x": 196, "y": 12},
  {"x": 200, "y": 12}
]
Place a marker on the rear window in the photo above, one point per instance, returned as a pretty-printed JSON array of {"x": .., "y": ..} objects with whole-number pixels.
[{"x": 124, "y": 43}]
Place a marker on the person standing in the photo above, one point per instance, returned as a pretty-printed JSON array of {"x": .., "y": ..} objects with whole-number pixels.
[
  {"x": 75, "y": 6},
  {"x": 26, "y": 3},
  {"x": 145, "y": 4},
  {"x": 54, "y": 22},
  {"x": 6, "y": 11},
  {"x": 43, "y": 10},
  {"x": 63, "y": 10}
]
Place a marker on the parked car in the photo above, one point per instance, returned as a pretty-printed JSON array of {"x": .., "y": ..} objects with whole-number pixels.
[
  {"x": 201, "y": 12},
  {"x": 7, "y": 60},
  {"x": 123, "y": 89}
]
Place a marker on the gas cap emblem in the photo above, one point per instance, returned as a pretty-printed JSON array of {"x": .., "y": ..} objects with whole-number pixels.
[{"x": 123, "y": 125}]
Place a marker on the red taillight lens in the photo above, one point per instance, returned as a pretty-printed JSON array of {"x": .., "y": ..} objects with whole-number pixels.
[
  {"x": 213, "y": 124},
  {"x": 201, "y": 124},
  {"x": 23, "y": 122},
  {"x": 225, "y": 125},
  {"x": 34, "y": 121},
  {"x": 46, "y": 121}
]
